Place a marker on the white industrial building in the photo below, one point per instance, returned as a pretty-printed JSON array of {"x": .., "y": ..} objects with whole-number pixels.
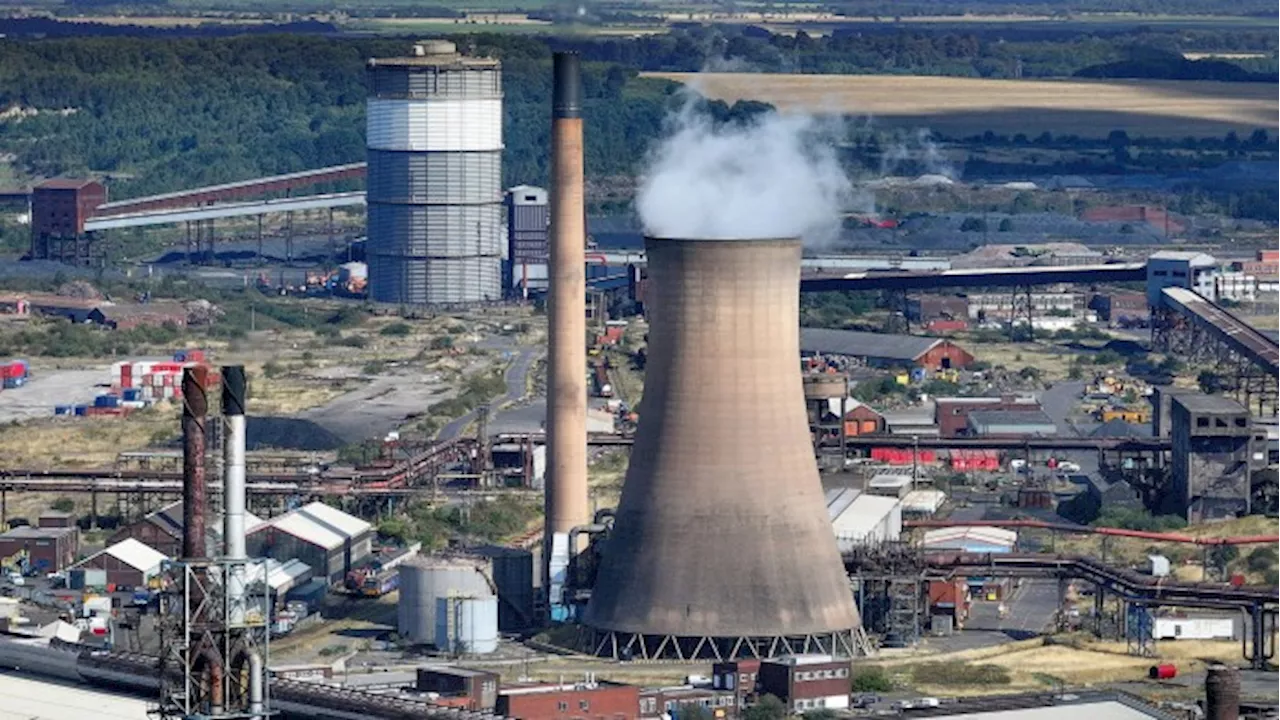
[
  {"x": 895, "y": 486},
  {"x": 859, "y": 518},
  {"x": 330, "y": 541},
  {"x": 971, "y": 538},
  {"x": 1199, "y": 628},
  {"x": 923, "y": 503}
]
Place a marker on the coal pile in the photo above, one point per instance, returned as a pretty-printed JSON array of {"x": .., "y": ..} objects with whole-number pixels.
[{"x": 282, "y": 433}]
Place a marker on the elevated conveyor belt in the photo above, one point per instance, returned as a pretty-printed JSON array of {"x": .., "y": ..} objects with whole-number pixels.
[
  {"x": 241, "y": 190},
  {"x": 168, "y": 216},
  {"x": 1236, "y": 333}
]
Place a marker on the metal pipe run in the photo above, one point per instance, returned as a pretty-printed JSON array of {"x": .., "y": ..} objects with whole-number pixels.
[
  {"x": 256, "y": 686},
  {"x": 195, "y": 497},
  {"x": 233, "y": 528}
]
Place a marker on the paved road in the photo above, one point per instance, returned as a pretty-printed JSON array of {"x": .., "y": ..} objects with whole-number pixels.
[
  {"x": 47, "y": 388},
  {"x": 1031, "y": 608},
  {"x": 517, "y": 377}
]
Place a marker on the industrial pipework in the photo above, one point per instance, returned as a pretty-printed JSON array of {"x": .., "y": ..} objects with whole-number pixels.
[
  {"x": 566, "y": 485},
  {"x": 233, "y": 492},
  {"x": 721, "y": 545},
  {"x": 195, "y": 496}
]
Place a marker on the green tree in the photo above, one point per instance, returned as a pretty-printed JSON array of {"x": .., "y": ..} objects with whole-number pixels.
[
  {"x": 63, "y": 504},
  {"x": 693, "y": 711},
  {"x": 1005, "y": 225},
  {"x": 871, "y": 678},
  {"x": 768, "y": 707}
]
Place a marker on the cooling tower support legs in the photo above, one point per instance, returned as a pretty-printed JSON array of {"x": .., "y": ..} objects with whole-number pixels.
[{"x": 637, "y": 646}]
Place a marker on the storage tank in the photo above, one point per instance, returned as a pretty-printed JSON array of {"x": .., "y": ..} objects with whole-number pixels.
[
  {"x": 435, "y": 177},
  {"x": 466, "y": 625},
  {"x": 513, "y": 576},
  {"x": 424, "y": 581}
]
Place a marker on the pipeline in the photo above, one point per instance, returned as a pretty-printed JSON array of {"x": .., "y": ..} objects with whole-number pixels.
[
  {"x": 1086, "y": 529},
  {"x": 257, "y": 691}
]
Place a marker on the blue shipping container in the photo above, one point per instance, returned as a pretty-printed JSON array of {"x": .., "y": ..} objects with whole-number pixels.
[
  {"x": 80, "y": 409},
  {"x": 14, "y": 382},
  {"x": 132, "y": 394},
  {"x": 61, "y": 409},
  {"x": 101, "y": 401},
  {"x": 180, "y": 356}
]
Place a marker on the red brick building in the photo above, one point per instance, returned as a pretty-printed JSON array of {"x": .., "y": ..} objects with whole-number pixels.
[
  {"x": 596, "y": 700},
  {"x": 48, "y": 549},
  {"x": 882, "y": 350},
  {"x": 952, "y": 414},
  {"x": 1266, "y": 266},
  {"x": 806, "y": 682},
  {"x": 1118, "y": 308},
  {"x": 950, "y": 598},
  {"x": 673, "y": 701},
  {"x": 738, "y": 677},
  {"x": 924, "y": 308},
  {"x": 461, "y": 687},
  {"x": 1156, "y": 217}
]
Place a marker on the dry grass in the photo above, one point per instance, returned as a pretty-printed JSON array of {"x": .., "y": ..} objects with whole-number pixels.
[
  {"x": 1052, "y": 361},
  {"x": 967, "y": 106},
  {"x": 86, "y": 441}
]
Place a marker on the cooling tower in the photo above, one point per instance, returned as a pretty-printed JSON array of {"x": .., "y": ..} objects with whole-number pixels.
[{"x": 722, "y": 546}]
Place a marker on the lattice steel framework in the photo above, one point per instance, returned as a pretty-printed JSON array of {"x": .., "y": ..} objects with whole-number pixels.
[
  {"x": 1252, "y": 385},
  {"x": 214, "y": 652}
]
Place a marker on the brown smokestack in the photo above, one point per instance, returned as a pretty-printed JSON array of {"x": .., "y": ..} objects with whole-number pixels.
[
  {"x": 1222, "y": 693},
  {"x": 566, "y": 487},
  {"x": 195, "y": 496}
]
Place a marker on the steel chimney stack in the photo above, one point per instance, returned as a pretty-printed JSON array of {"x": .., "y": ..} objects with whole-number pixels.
[
  {"x": 566, "y": 484},
  {"x": 233, "y": 488},
  {"x": 195, "y": 493},
  {"x": 722, "y": 546}
]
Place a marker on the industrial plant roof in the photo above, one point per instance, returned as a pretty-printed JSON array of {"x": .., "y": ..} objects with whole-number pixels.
[
  {"x": 865, "y": 344},
  {"x": 30, "y": 532},
  {"x": 285, "y": 575},
  {"x": 889, "y": 481},
  {"x": 863, "y": 515},
  {"x": 1027, "y": 422},
  {"x": 1195, "y": 258},
  {"x": 958, "y": 537},
  {"x": 1199, "y": 402},
  {"x": 320, "y": 525},
  {"x": 1095, "y": 706},
  {"x": 839, "y": 500},
  {"x": 133, "y": 553},
  {"x": 169, "y": 519}
]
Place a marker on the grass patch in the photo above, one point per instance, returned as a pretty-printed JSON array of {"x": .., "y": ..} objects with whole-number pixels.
[{"x": 948, "y": 674}]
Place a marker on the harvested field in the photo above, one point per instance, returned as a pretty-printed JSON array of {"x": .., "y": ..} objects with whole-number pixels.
[{"x": 969, "y": 106}]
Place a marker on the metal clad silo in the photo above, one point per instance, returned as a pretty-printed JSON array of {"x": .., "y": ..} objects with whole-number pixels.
[
  {"x": 513, "y": 576},
  {"x": 435, "y": 177},
  {"x": 467, "y": 625},
  {"x": 426, "y": 580}
]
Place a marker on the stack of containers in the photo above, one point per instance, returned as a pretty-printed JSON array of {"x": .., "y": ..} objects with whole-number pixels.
[
  {"x": 15, "y": 373},
  {"x": 986, "y": 460},
  {"x": 154, "y": 381},
  {"x": 899, "y": 456}
]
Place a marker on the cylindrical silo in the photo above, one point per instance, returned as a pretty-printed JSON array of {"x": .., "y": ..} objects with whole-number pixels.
[
  {"x": 722, "y": 545},
  {"x": 424, "y": 581},
  {"x": 435, "y": 177},
  {"x": 467, "y": 625}
]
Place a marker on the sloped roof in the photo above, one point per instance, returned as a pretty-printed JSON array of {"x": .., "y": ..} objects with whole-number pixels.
[
  {"x": 862, "y": 515},
  {"x": 1117, "y": 428},
  {"x": 320, "y": 525},
  {"x": 348, "y": 525},
  {"x": 133, "y": 553},
  {"x": 955, "y": 537},
  {"x": 865, "y": 344}
]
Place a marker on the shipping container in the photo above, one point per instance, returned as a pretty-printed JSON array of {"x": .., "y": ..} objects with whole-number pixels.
[
  {"x": 81, "y": 578},
  {"x": 81, "y": 409},
  {"x": 1168, "y": 628},
  {"x": 62, "y": 409}
]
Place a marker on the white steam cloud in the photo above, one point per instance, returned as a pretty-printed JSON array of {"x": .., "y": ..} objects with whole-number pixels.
[{"x": 776, "y": 176}]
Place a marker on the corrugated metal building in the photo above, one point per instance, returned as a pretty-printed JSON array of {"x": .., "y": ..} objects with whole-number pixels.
[
  {"x": 883, "y": 350},
  {"x": 127, "y": 563},
  {"x": 59, "y": 209},
  {"x": 435, "y": 177},
  {"x": 327, "y": 539},
  {"x": 969, "y": 538},
  {"x": 528, "y": 221},
  {"x": 162, "y": 530},
  {"x": 952, "y": 414},
  {"x": 858, "y": 518},
  {"x": 1010, "y": 423}
]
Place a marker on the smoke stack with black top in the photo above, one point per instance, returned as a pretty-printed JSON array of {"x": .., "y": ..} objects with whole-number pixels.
[
  {"x": 233, "y": 530},
  {"x": 195, "y": 495},
  {"x": 566, "y": 488}
]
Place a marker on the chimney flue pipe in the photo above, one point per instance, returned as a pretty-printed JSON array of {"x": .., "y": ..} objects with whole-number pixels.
[
  {"x": 233, "y": 402},
  {"x": 566, "y": 487},
  {"x": 195, "y": 495}
]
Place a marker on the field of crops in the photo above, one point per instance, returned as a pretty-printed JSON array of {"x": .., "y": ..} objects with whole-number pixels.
[{"x": 970, "y": 106}]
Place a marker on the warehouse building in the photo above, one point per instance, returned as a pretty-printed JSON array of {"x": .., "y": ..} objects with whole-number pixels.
[
  {"x": 127, "y": 563},
  {"x": 325, "y": 538},
  {"x": 48, "y": 549},
  {"x": 859, "y": 518},
  {"x": 162, "y": 530},
  {"x": 951, "y": 415},
  {"x": 926, "y": 308},
  {"x": 971, "y": 539},
  {"x": 882, "y": 350},
  {"x": 859, "y": 417},
  {"x": 1010, "y": 424},
  {"x": 1121, "y": 308}
]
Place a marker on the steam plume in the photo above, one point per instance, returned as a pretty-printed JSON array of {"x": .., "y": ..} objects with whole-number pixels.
[{"x": 775, "y": 176}]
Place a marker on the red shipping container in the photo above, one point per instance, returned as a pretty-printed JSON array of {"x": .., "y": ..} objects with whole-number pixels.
[
  {"x": 126, "y": 375},
  {"x": 195, "y": 355}
]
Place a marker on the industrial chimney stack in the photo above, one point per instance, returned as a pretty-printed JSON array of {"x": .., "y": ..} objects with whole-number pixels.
[
  {"x": 566, "y": 486},
  {"x": 195, "y": 494},
  {"x": 721, "y": 545},
  {"x": 233, "y": 492}
]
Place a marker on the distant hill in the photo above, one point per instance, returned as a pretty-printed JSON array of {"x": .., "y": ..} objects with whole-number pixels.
[{"x": 1150, "y": 64}]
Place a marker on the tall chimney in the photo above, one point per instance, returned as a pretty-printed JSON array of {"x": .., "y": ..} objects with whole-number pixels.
[
  {"x": 195, "y": 496},
  {"x": 233, "y": 487},
  {"x": 566, "y": 486},
  {"x": 1222, "y": 693},
  {"x": 721, "y": 543}
]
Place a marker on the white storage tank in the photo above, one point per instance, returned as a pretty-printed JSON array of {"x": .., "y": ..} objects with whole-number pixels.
[
  {"x": 467, "y": 625},
  {"x": 424, "y": 581}
]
